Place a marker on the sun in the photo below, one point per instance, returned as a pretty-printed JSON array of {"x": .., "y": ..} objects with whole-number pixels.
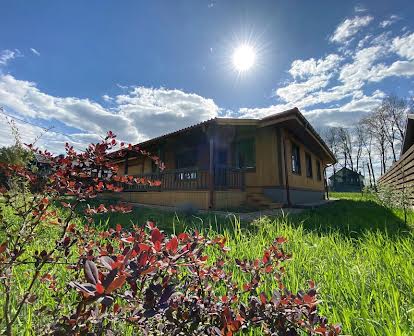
[{"x": 244, "y": 57}]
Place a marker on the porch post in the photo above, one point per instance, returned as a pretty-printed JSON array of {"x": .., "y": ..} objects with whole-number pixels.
[
  {"x": 289, "y": 203},
  {"x": 126, "y": 164},
  {"x": 211, "y": 173}
]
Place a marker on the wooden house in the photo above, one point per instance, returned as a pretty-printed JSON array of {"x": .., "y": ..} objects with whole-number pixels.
[
  {"x": 226, "y": 163},
  {"x": 346, "y": 180}
]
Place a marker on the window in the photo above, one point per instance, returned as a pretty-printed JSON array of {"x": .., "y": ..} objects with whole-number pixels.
[
  {"x": 296, "y": 159},
  {"x": 318, "y": 170},
  {"x": 186, "y": 159},
  {"x": 246, "y": 153},
  {"x": 308, "y": 160}
]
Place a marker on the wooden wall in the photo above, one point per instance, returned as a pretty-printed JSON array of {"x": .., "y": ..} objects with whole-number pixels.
[
  {"x": 229, "y": 199},
  {"x": 136, "y": 166},
  {"x": 302, "y": 181},
  {"x": 198, "y": 199},
  {"x": 401, "y": 173},
  {"x": 267, "y": 172}
]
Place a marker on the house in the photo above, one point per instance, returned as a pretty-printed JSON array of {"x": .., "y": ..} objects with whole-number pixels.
[
  {"x": 401, "y": 174},
  {"x": 225, "y": 163},
  {"x": 346, "y": 180}
]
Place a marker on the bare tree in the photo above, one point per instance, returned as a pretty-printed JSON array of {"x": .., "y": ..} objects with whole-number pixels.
[
  {"x": 346, "y": 146},
  {"x": 367, "y": 137},
  {"x": 359, "y": 144},
  {"x": 331, "y": 138},
  {"x": 378, "y": 128}
]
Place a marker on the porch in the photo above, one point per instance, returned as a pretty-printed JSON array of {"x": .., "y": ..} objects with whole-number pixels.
[{"x": 221, "y": 178}]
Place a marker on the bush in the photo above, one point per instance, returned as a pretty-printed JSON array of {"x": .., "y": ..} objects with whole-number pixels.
[{"x": 158, "y": 284}]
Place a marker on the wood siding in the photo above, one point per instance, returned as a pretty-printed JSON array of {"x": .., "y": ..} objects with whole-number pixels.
[
  {"x": 197, "y": 199},
  {"x": 401, "y": 173},
  {"x": 301, "y": 181},
  {"x": 267, "y": 169}
]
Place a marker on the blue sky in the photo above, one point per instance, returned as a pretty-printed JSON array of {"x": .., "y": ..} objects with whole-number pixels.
[{"x": 143, "y": 68}]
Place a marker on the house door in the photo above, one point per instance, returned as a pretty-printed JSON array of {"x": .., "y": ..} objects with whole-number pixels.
[{"x": 220, "y": 173}]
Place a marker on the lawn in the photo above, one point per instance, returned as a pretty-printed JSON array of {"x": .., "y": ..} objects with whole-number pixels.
[{"x": 359, "y": 253}]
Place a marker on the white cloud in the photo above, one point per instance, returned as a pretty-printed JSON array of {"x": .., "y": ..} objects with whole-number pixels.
[
  {"x": 331, "y": 89},
  {"x": 140, "y": 114},
  {"x": 7, "y": 55},
  {"x": 392, "y": 19},
  {"x": 297, "y": 91},
  {"x": 398, "y": 68},
  {"x": 348, "y": 28},
  {"x": 157, "y": 111},
  {"x": 301, "y": 68},
  {"x": 34, "y": 51},
  {"x": 360, "y": 8},
  {"x": 404, "y": 46}
]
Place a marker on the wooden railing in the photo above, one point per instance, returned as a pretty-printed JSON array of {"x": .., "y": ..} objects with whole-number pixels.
[{"x": 190, "y": 179}]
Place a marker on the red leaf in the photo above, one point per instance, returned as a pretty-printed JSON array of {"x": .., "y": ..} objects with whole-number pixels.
[
  {"x": 144, "y": 247},
  {"x": 281, "y": 240},
  {"x": 224, "y": 299},
  {"x": 263, "y": 298},
  {"x": 117, "y": 283},
  {"x": 157, "y": 246},
  {"x": 156, "y": 236},
  {"x": 118, "y": 227},
  {"x": 320, "y": 330},
  {"x": 183, "y": 236},
  {"x": 172, "y": 245},
  {"x": 99, "y": 288},
  {"x": 3, "y": 247}
]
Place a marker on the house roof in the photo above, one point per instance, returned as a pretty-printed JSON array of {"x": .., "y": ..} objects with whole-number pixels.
[
  {"x": 408, "y": 140},
  {"x": 344, "y": 170},
  {"x": 291, "y": 118}
]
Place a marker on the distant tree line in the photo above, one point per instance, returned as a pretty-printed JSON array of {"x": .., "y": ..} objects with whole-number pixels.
[{"x": 374, "y": 140}]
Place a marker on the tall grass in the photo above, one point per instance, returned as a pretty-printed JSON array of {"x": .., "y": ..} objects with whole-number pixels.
[{"x": 359, "y": 254}]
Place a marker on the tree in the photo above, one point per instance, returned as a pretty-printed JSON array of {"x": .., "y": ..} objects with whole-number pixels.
[
  {"x": 331, "y": 138},
  {"x": 367, "y": 138},
  {"x": 346, "y": 146},
  {"x": 359, "y": 144}
]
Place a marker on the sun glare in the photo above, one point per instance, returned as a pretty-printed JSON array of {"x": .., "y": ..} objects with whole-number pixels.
[{"x": 244, "y": 57}]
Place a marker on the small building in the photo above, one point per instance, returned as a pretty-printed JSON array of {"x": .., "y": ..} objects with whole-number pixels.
[
  {"x": 225, "y": 163},
  {"x": 346, "y": 180}
]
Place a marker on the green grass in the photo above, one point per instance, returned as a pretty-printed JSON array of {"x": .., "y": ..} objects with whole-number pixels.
[{"x": 359, "y": 253}]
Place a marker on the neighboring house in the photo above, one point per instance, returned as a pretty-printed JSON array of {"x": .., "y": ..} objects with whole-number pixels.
[
  {"x": 401, "y": 174},
  {"x": 346, "y": 180},
  {"x": 226, "y": 163}
]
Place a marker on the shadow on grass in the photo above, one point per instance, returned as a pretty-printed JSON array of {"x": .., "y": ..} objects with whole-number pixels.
[
  {"x": 167, "y": 220},
  {"x": 352, "y": 218}
]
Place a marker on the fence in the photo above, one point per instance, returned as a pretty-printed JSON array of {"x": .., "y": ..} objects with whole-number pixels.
[{"x": 401, "y": 173}]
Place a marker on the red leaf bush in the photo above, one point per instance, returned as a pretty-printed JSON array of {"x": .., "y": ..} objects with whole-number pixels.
[{"x": 160, "y": 285}]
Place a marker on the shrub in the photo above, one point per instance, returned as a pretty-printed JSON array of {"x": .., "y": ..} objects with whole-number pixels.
[{"x": 158, "y": 284}]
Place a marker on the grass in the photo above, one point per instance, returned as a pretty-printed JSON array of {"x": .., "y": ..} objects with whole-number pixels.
[{"x": 359, "y": 253}]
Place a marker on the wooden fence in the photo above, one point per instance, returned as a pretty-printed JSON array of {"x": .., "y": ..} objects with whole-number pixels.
[{"x": 401, "y": 174}]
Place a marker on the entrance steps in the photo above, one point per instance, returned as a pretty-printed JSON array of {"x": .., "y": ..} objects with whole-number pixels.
[{"x": 256, "y": 198}]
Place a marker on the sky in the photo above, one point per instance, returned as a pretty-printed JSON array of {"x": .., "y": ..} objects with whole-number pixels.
[{"x": 146, "y": 68}]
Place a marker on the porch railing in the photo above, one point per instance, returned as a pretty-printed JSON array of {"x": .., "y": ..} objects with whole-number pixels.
[{"x": 191, "y": 179}]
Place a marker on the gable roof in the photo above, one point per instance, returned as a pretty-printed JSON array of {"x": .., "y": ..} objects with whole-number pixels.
[
  {"x": 345, "y": 170},
  {"x": 293, "y": 119}
]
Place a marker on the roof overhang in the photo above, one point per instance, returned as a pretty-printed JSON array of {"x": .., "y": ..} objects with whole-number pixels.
[
  {"x": 291, "y": 119},
  {"x": 297, "y": 124}
]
